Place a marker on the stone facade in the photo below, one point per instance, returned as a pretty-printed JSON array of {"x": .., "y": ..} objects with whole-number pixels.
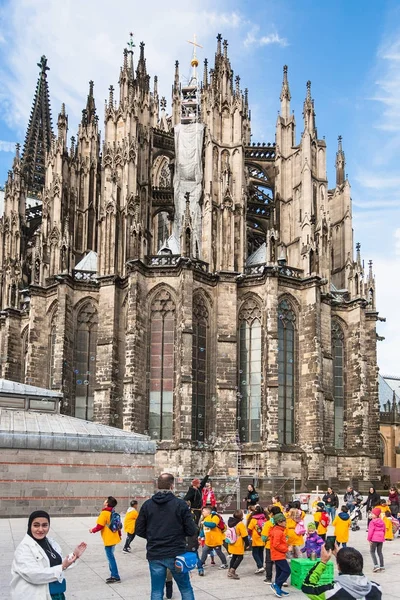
[{"x": 253, "y": 350}]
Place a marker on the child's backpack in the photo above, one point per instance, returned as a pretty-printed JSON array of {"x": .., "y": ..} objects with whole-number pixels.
[
  {"x": 300, "y": 529},
  {"x": 231, "y": 535},
  {"x": 259, "y": 527},
  {"x": 186, "y": 562},
  {"x": 324, "y": 519},
  {"x": 115, "y": 523},
  {"x": 221, "y": 524},
  {"x": 395, "y": 524}
]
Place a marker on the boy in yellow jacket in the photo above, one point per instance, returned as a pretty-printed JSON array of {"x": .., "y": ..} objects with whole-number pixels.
[
  {"x": 129, "y": 525},
  {"x": 342, "y": 524},
  {"x": 213, "y": 535},
  {"x": 110, "y": 538}
]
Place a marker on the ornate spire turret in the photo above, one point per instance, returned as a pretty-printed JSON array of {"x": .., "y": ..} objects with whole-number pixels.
[
  {"x": 205, "y": 73},
  {"x": 39, "y": 134},
  {"x": 340, "y": 163},
  {"x": 285, "y": 96},
  {"x": 141, "y": 70},
  {"x": 308, "y": 111}
]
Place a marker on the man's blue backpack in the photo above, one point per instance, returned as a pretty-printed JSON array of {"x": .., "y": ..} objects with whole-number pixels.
[
  {"x": 115, "y": 523},
  {"x": 186, "y": 562}
]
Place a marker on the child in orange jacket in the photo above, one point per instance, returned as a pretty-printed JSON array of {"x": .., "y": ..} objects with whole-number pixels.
[{"x": 279, "y": 548}]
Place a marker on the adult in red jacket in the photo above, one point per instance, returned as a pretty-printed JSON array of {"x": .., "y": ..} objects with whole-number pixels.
[
  {"x": 208, "y": 498},
  {"x": 279, "y": 547}
]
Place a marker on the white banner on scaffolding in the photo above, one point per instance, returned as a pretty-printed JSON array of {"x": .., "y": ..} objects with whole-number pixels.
[{"x": 188, "y": 178}]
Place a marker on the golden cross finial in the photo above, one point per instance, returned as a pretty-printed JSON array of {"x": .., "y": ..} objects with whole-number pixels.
[{"x": 194, "y": 61}]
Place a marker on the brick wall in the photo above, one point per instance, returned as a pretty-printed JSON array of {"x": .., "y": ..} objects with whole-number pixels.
[{"x": 71, "y": 483}]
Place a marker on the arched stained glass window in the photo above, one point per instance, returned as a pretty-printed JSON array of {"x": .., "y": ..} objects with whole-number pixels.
[
  {"x": 52, "y": 348},
  {"x": 250, "y": 361},
  {"x": 199, "y": 369},
  {"x": 85, "y": 361},
  {"x": 286, "y": 372},
  {"x": 24, "y": 352},
  {"x": 161, "y": 385},
  {"x": 338, "y": 384}
]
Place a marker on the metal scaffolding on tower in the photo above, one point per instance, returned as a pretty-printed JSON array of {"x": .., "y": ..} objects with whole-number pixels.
[{"x": 190, "y": 102}]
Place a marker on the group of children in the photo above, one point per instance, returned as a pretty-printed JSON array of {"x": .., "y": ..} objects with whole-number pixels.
[{"x": 274, "y": 535}]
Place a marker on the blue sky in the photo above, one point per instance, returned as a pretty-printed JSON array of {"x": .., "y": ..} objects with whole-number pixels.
[{"x": 349, "y": 50}]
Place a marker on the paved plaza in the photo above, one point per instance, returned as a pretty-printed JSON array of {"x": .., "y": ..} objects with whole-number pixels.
[{"x": 86, "y": 580}]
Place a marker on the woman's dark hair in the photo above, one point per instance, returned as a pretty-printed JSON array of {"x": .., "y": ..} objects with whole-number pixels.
[
  {"x": 111, "y": 501},
  {"x": 350, "y": 561},
  {"x": 250, "y": 484}
]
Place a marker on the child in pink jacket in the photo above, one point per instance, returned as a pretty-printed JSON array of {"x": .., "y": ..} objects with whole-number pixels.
[{"x": 376, "y": 537}]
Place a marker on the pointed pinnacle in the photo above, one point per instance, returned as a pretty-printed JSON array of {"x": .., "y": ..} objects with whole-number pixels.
[
  {"x": 308, "y": 90},
  {"x": 43, "y": 64},
  {"x": 219, "y": 40}
]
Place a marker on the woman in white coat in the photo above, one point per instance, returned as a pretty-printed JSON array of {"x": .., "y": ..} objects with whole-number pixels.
[{"x": 38, "y": 567}]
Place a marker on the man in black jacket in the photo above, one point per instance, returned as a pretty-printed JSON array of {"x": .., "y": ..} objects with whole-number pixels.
[
  {"x": 165, "y": 521},
  {"x": 194, "y": 495}
]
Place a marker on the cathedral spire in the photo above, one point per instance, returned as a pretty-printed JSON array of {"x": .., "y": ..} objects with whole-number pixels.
[
  {"x": 141, "y": 70},
  {"x": 39, "y": 134},
  {"x": 340, "y": 163},
  {"x": 285, "y": 96},
  {"x": 90, "y": 104},
  {"x": 308, "y": 111}
]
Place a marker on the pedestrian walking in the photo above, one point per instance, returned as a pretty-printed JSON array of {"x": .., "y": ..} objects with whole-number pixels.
[
  {"x": 109, "y": 523},
  {"x": 331, "y": 502},
  {"x": 279, "y": 548},
  {"x": 342, "y": 524},
  {"x": 194, "y": 495},
  {"x": 129, "y": 525},
  {"x": 165, "y": 522},
  {"x": 38, "y": 566},
  {"x": 272, "y": 511},
  {"x": 252, "y": 497},
  {"x": 350, "y": 498},
  {"x": 373, "y": 499},
  {"x": 237, "y": 540},
  {"x": 214, "y": 536},
  {"x": 394, "y": 501},
  {"x": 376, "y": 537},
  {"x": 257, "y": 545},
  {"x": 208, "y": 496}
]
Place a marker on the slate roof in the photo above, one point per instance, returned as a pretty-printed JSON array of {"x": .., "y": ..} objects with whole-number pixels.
[{"x": 52, "y": 431}]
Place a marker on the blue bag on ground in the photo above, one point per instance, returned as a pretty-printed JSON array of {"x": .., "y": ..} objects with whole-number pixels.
[{"x": 186, "y": 562}]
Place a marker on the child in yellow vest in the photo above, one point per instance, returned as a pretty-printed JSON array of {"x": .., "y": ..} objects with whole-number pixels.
[
  {"x": 236, "y": 546},
  {"x": 213, "y": 536},
  {"x": 295, "y": 538},
  {"x": 314, "y": 505},
  {"x": 387, "y": 519},
  {"x": 257, "y": 545},
  {"x": 342, "y": 524},
  {"x": 110, "y": 538},
  {"x": 321, "y": 520},
  {"x": 129, "y": 525}
]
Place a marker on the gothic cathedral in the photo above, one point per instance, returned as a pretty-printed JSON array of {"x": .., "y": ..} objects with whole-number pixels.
[{"x": 179, "y": 281}]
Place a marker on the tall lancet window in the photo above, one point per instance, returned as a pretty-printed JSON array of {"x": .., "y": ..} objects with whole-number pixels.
[
  {"x": 199, "y": 369},
  {"x": 52, "y": 353},
  {"x": 85, "y": 361},
  {"x": 338, "y": 384},
  {"x": 250, "y": 361},
  {"x": 161, "y": 385},
  {"x": 286, "y": 372}
]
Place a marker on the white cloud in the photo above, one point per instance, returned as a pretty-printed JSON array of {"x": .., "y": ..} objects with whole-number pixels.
[
  {"x": 254, "y": 39},
  {"x": 397, "y": 241},
  {"x": 82, "y": 41},
  {"x": 7, "y": 146}
]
